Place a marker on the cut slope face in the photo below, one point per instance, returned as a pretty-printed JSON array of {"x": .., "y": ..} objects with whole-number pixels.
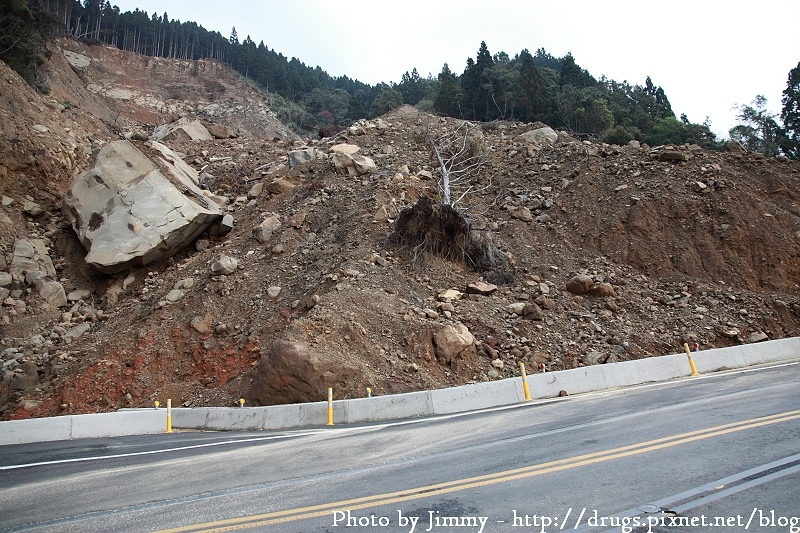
[{"x": 701, "y": 248}]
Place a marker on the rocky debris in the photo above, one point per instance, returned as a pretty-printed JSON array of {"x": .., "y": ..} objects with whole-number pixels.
[
  {"x": 353, "y": 164},
  {"x": 130, "y": 210},
  {"x": 700, "y": 250}
]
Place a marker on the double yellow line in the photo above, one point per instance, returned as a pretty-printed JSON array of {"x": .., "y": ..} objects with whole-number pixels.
[{"x": 428, "y": 491}]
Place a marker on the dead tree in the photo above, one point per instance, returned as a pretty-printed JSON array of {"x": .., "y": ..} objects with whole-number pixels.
[{"x": 460, "y": 158}]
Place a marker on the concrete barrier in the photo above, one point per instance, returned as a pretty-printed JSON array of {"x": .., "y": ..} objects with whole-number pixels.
[
  {"x": 134, "y": 422},
  {"x": 415, "y": 404}
]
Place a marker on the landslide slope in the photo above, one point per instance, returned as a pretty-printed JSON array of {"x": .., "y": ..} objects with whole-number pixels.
[{"x": 695, "y": 247}]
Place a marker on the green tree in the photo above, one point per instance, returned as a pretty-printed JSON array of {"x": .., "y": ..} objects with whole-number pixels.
[
  {"x": 22, "y": 44},
  {"x": 531, "y": 93},
  {"x": 448, "y": 97},
  {"x": 790, "y": 115},
  {"x": 386, "y": 100},
  {"x": 758, "y": 131}
]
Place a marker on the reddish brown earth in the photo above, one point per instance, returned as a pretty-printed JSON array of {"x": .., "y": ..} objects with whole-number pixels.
[{"x": 705, "y": 250}]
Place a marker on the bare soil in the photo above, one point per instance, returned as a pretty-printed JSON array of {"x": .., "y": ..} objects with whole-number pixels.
[{"x": 704, "y": 250}]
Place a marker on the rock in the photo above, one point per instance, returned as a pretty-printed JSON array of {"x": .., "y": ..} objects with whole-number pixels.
[
  {"x": 218, "y": 131},
  {"x": 280, "y": 186},
  {"x": 175, "y": 295},
  {"x": 736, "y": 147},
  {"x": 274, "y": 291},
  {"x": 449, "y": 295},
  {"x": 78, "y": 295},
  {"x": 602, "y": 290},
  {"x": 226, "y": 225},
  {"x": 518, "y": 308},
  {"x": 482, "y": 288},
  {"x": 300, "y": 157},
  {"x": 263, "y": 232},
  {"x": 452, "y": 343},
  {"x": 224, "y": 266},
  {"x": 532, "y": 311},
  {"x": 540, "y": 136},
  {"x": 498, "y": 364},
  {"x": 6, "y": 201},
  {"x": 76, "y": 332},
  {"x": 256, "y": 190},
  {"x": 592, "y": 358},
  {"x": 580, "y": 284},
  {"x": 31, "y": 208},
  {"x": 6, "y": 279},
  {"x": 673, "y": 155},
  {"x": 758, "y": 336},
  {"x": 292, "y": 372},
  {"x": 353, "y": 165},
  {"x": 728, "y": 332},
  {"x": 52, "y": 292},
  {"x": 522, "y": 213},
  {"x": 347, "y": 149},
  {"x": 202, "y": 324},
  {"x": 129, "y": 210},
  {"x": 182, "y": 130},
  {"x": 38, "y": 128},
  {"x": 25, "y": 375}
]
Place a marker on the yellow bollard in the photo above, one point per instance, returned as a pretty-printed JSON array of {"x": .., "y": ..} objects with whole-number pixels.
[
  {"x": 241, "y": 402},
  {"x": 691, "y": 361},
  {"x": 157, "y": 404},
  {"x": 525, "y": 388},
  {"x": 369, "y": 392},
  {"x": 169, "y": 415},
  {"x": 330, "y": 406}
]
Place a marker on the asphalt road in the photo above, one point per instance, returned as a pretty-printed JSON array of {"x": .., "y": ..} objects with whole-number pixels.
[{"x": 718, "y": 453}]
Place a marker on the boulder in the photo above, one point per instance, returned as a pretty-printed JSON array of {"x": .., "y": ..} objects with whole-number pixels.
[
  {"x": 482, "y": 288},
  {"x": 218, "y": 131},
  {"x": 263, "y": 232},
  {"x": 291, "y": 372},
  {"x": 302, "y": 156},
  {"x": 540, "y": 136},
  {"x": 602, "y": 290},
  {"x": 182, "y": 130},
  {"x": 453, "y": 343},
  {"x": 224, "y": 266},
  {"x": 130, "y": 210},
  {"x": 580, "y": 284},
  {"x": 353, "y": 164}
]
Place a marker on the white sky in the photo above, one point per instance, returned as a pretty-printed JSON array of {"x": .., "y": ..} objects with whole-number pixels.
[{"x": 708, "y": 55}]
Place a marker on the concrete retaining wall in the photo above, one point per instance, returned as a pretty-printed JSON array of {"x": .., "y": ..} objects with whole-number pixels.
[{"x": 415, "y": 404}]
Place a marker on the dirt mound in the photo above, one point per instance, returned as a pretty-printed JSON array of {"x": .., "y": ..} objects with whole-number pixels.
[{"x": 687, "y": 246}]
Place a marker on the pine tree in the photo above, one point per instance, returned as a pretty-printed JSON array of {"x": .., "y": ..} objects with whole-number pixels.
[
  {"x": 530, "y": 89},
  {"x": 448, "y": 97},
  {"x": 790, "y": 115}
]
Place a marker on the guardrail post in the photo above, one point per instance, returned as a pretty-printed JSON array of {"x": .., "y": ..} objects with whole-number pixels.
[
  {"x": 169, "y": 415},
  {"x": 241, "y": 402},
  {"x": 525, "y": 388},
  {"x": 369, "y": 392},
  {"x": 691, "y": 361},
  {"x": 330, "y": 406}
]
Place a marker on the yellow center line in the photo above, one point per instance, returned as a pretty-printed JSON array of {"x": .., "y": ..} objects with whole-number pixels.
[{"x": 314, "y": 511}]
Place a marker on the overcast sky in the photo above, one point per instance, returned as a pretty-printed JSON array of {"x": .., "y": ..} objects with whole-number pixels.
[{"x": 708, "y": 55}]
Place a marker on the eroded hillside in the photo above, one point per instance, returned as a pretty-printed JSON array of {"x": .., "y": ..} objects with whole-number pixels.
[{"x": 678, "y": 245}]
